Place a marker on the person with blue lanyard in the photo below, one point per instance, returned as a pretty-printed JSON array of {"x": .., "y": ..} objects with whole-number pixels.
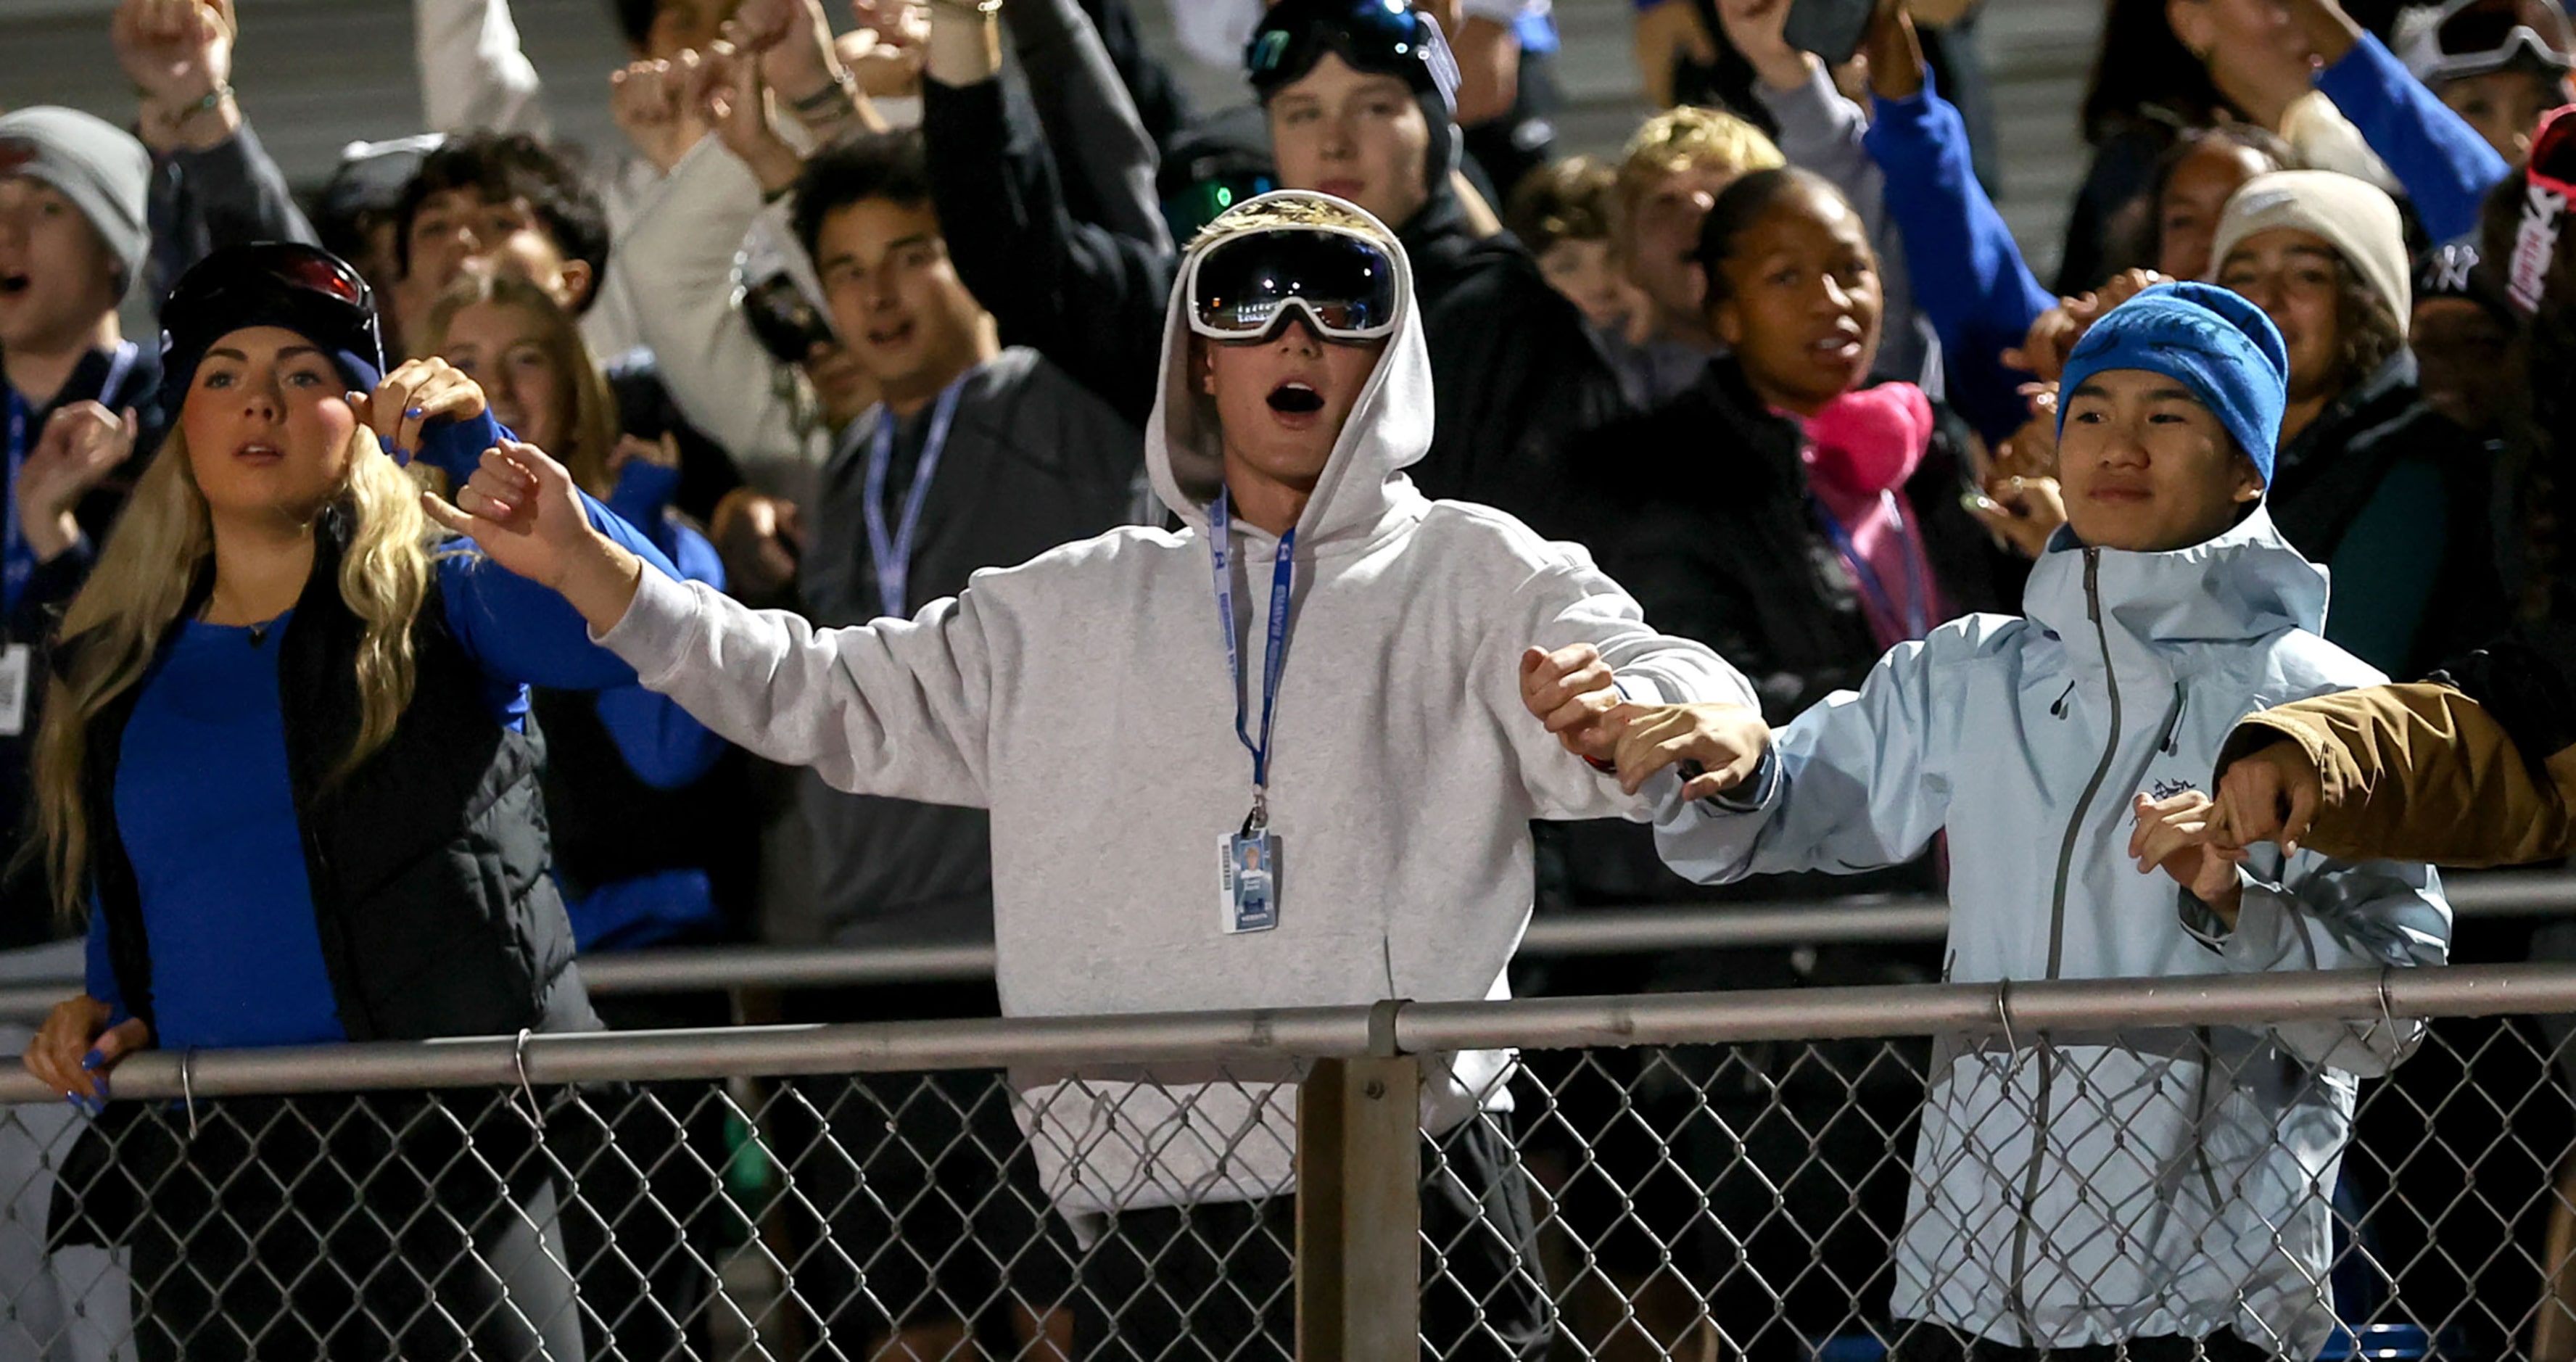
[
  {"x": 79, "y": 398},
  {"x": 284, "y": 774},
  {"x": 1373, "y": 761}
]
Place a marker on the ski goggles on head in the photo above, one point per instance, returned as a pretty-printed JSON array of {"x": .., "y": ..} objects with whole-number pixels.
[
  {"x": 2475, "y": 37},
  {"x": 304, "y": 289},
  {"x": 1241, "y": 288},
  {"x": 1385, "y": 36}
]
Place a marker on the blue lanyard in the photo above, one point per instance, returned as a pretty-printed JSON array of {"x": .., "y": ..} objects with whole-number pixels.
[
  {"x": 1283, "y": 583},
  {"x": 17, "y": 560},
  {"x": 1917, "y": 614},
  {"x": 892, "y": 554}
]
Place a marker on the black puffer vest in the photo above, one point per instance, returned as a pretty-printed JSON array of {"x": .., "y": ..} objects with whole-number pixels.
[{"x": 430, "y": 864}]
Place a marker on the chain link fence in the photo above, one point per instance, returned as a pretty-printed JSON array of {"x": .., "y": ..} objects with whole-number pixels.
[{"x": 2283, "y": 1165}]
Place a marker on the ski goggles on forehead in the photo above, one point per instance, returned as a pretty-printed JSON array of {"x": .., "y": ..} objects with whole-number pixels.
[
  {"x": 1373, "y": 35},
  {"x": 2481, "y": 36},
  {"x": 1342, "y": 282}
]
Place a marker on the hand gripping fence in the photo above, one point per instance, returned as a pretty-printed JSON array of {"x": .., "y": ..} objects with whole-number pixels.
[{"x": 2304, "y": 1165}]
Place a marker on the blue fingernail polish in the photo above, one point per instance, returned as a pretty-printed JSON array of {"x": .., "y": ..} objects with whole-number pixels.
[
  {"x": 75, "y": 1104},
  {"x": 92, "y": 1060},
  {"x": 412, "y": 412},
  {"x": 385, "y": 443}
]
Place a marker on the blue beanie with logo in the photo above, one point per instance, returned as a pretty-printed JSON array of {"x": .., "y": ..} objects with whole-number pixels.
[{"x": 2213, "y": 342}]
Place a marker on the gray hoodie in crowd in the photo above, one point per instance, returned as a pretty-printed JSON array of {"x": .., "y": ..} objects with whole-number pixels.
[{"x": 1084, "y": 699}]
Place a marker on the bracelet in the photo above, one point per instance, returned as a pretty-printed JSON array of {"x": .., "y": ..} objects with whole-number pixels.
[
  {"x": 839, "y": 93},
  {"x": 213, "y": 100}
]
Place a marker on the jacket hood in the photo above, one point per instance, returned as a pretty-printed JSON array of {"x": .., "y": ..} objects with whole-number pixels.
[
  {"x": 2248, "y": 583},
  {"x": 1388, "y": 431}
]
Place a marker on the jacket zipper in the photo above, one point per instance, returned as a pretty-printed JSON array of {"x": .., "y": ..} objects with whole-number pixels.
[{"x": 2057, "y": 942}]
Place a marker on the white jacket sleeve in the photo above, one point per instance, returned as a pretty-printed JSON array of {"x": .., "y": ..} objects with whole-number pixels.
[
  {"x": 900, "y": 708},
  {"x": 1573, "y": 602},
  {"x": 1849, "y": 785},
  {"x": 683, "y": 239},
  {"x": 473, "y": 75},
  {"x": 2323, "y": 914}
]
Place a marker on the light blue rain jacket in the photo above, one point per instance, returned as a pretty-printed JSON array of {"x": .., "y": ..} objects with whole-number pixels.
[{"x": 2083, "y": 1189}]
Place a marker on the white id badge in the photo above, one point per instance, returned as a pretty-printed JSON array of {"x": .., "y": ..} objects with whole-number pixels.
[
  {"x": 16, "y": 662},
  {"x": 1247, "y": 882}
]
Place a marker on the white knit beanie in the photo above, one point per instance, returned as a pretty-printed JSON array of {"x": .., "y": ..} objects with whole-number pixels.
[{"x": 2357, "y": 218}]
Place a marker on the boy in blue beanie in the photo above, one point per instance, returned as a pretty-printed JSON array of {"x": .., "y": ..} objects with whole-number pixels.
[{"x": 2169, "y": 1192}]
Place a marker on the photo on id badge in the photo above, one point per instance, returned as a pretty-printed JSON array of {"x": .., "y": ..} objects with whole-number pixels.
[{"x": 1248, "y": 894}]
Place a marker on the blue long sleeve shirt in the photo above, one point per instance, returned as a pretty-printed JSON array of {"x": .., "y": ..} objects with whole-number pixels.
[
  {"x": 206, "y": 808},
  {"x": 2446, "y": 167},
  {"x": 1968, "y": 274}
]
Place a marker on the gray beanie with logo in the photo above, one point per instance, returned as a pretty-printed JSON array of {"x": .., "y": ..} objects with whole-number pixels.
[{"x": 93, "y": 163}]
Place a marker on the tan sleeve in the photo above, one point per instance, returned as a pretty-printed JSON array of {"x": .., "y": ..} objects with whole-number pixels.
[{"x": 2419, "y": 772}]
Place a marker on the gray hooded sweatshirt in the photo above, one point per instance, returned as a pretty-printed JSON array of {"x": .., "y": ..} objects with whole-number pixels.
[{"x": 1084, "y": 699}]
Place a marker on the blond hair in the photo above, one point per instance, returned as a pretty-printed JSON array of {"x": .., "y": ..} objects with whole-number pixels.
[
  {"x": 162, "y": 547},
  {"x": 1686, "y": 136},
  {"x": 591, "y": 426},
  {"x": 1273, "y": 211}
]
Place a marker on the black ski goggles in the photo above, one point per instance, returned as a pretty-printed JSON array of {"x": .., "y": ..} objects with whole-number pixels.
[
  {"x": 1242, "y": 288},
  {"x": 1385, "y": 36},
  {"x": 2480, "y": 36}
]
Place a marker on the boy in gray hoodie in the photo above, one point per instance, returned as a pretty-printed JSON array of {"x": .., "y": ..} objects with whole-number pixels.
[{"x": 1322, "y": 668}]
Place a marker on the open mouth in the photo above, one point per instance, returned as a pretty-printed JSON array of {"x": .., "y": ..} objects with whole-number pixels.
[
  {"x": 11, "y": 285},
  {"x": 259, "y": 450},
  {"x": 890, "y": 333},
  {"x": 1296, "y": 399}
]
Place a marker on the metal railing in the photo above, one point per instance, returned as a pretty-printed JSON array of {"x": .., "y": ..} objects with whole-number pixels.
[
  {"x": 1790, "y": 1173},
  {"x": 1589, "y": 932}
]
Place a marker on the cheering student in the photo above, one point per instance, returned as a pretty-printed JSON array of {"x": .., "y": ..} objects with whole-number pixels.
[
  {"x": 1128, "y": 758},
  {"x": 77, "y": 399},
  {"x": 369, "y": 862},
  {"x": 2168, "y": 607}
]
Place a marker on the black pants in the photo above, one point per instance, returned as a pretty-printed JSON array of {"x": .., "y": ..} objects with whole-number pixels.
[
  {"x": 1918, "y": 1341},
  {"x": 321, "y": 1227},
  {"x": 1219, "y": 1281}
]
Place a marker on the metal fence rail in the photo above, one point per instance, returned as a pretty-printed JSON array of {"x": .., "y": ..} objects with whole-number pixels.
[
  {"x": 1801, "y": 1174},
  {"x": 1591, "y": 932}
]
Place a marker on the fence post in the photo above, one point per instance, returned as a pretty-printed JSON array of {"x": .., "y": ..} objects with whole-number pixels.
[{"x": 1359, "y": 1204}]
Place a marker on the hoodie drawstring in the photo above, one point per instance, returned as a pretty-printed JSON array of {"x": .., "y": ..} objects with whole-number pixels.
[{"x": 2058, "y": 710}]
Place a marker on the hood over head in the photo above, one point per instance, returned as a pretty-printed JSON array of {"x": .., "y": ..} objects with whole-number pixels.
[{"x": 1388, "y": 431}]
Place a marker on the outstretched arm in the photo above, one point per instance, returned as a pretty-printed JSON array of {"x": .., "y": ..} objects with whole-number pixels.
[
  {"x": 1852, "y": 784},
  {"x": 2446, "y": 167},
  {"x": 897, "y": 708},
  {"x": 1967, "y": 273},
  {"x": 1576, "y": 645},
  {"x": 1088, "y": 298}
]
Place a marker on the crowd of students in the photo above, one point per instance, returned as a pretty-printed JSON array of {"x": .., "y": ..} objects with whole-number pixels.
[{"x": 799, "y": 527}]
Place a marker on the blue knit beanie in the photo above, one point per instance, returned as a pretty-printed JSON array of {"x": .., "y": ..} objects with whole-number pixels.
[{"x": 2214, "y": 342}]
